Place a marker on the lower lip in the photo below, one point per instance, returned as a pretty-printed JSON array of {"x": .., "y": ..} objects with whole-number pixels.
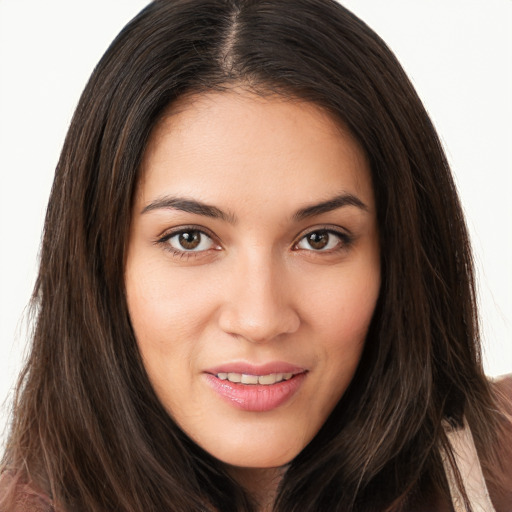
[{"x": 256, "y": 397}]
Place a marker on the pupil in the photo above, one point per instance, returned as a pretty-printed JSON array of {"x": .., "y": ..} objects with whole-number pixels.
[
  {"x": 318, "y": 240},
  {"x": 190, "y": 239}
]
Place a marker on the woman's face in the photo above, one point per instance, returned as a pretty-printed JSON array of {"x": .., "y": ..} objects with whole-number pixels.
[{"x": 252, "y": 271}]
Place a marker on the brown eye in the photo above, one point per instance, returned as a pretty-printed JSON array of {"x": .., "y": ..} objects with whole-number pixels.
[
  {"x": 320, "y": 241},
  {"x": 191, "y": 240}
]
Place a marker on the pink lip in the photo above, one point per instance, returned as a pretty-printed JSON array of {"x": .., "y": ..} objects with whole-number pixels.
[{"x": 256, "y": 397}]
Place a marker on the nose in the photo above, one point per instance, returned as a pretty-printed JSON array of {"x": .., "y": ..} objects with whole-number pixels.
[{"x": 258, "y": 303}]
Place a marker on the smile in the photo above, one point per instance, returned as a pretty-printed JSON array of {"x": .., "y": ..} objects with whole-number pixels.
[
  {"x": 264, "y": 380},
  {"x": 257, "y": 391}
]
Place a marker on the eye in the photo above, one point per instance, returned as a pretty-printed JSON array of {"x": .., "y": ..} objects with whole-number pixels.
[
  {"x": 190, "y": 240},
  {"x": 322, "y": 240}
]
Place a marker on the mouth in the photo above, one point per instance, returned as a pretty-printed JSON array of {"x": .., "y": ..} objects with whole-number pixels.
[
  {"x": 253, "y": 380},
  {"x": 256, "y": 389}
]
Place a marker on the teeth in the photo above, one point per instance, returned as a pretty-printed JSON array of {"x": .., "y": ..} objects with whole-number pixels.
[
  {"x": 267, "y": 379},
  {"x": 249, "y": 379},
  {"x": 243, "y": 378}
]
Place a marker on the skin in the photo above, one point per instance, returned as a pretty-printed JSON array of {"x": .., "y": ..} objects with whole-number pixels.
[{"x": 254, "y": 290}]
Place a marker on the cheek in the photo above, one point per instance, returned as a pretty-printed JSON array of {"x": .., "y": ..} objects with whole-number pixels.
[
  {"x": 341, "y": 317},
  {"x": 167, "y": 320},
  {"x": 344, "y": 307},
  {"x": 168, "y": 317},
  {"x": 164, "y": 305}
]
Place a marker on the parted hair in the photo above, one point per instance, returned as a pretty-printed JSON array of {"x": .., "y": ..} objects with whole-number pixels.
[{"x": 87, "y": 426}]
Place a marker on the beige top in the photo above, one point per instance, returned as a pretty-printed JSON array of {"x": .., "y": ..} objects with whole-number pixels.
[{"x": 468, "y": 464}]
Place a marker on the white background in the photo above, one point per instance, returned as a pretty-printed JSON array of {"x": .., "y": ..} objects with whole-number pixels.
[{"x": 458, "y": 54}]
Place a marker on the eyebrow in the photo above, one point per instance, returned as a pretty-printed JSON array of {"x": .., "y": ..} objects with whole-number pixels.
[
  {"x": 190, "y": 206},
  {"x": 200, "y": 208},
  {"x": 336, "y": 202}
]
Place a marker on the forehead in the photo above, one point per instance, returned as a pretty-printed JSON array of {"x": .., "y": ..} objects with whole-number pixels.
[{"x": 225, "y": 144}]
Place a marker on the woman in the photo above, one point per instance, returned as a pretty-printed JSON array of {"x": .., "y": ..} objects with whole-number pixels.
[{"x": 256, "y": 289}]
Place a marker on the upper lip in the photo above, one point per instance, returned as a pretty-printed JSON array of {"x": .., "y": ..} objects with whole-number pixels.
[{"x": 256, "y": 369}]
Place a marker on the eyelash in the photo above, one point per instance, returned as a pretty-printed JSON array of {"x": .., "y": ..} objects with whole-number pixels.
[
  {"x": 164, "y": 241},
  {"x": 345, "y": 241}
]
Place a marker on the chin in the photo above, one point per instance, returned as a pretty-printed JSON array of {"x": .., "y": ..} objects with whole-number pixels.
[
  {"x": 258, "y": 458},
  {"x": 260, "y": 450}
]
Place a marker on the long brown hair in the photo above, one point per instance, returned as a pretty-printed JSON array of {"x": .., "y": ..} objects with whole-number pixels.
[{"x": 87, "y": 426}]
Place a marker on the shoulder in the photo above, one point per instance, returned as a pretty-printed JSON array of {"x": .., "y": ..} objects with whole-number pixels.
[
  {"x": 503, "y": 386},
  {"x": 503, "y": 391},
  {"x": 16, "y": 496}
]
